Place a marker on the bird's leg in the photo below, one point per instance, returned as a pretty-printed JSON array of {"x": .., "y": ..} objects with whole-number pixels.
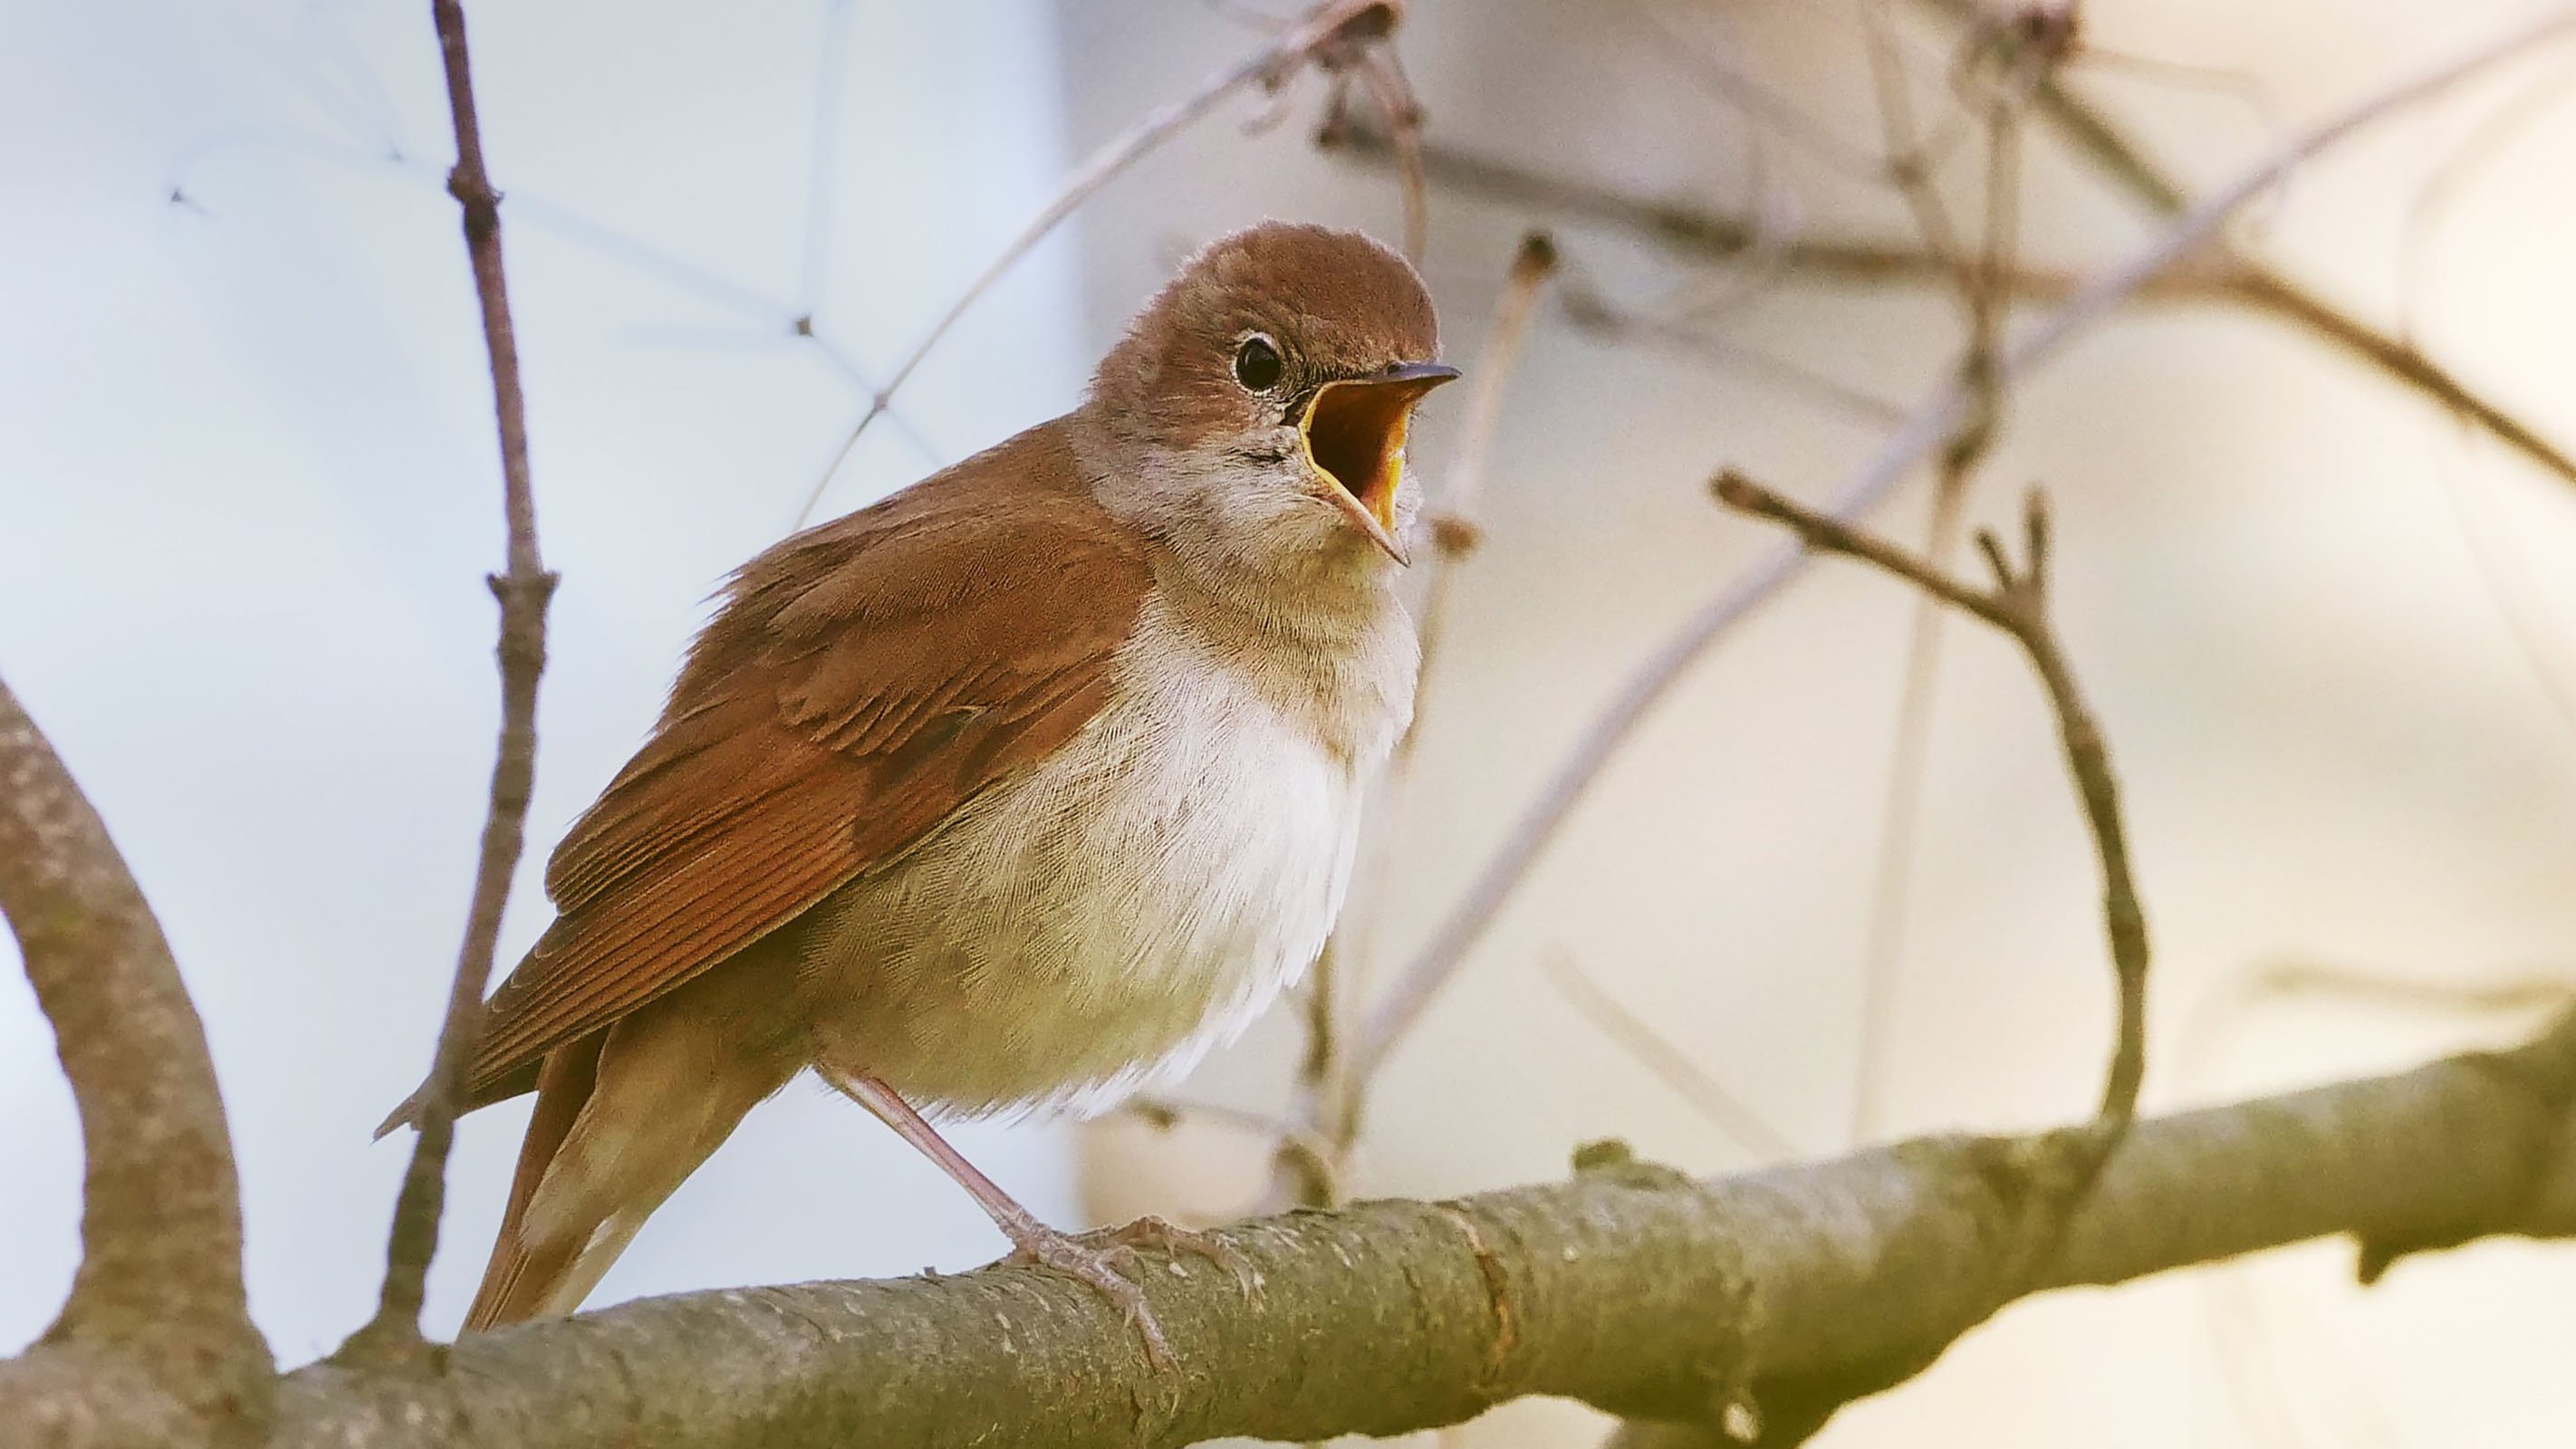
[{"x": 1032, "y": 1240}]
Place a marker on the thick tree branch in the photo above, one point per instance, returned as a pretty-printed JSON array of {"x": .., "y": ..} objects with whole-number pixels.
[
  {"x": 524, "y": 590},
  {"x": 155, "y": 1331},
  {"x": 1629, "y": 1287}
]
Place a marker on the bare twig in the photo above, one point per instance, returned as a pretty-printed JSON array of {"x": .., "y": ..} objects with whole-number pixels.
[
  {"x": 1692, "y": 230},
  {"x": 1769, "y": 111},
  {"x": 2017, "y": 604},
  {"x": 1934, "y": 422},
  {"x": 1985, "y": 293},
  {"x": 160, "y": 1280},
  {"x": 1334, "y": 31},
  {"x": 1378, "y": 71},
  {"x": 2058, "y": 1170},
  {"x": 2084, "y": 128},
  {"x": 1301, "y": 1151},
  {"x": 523, "y": 588},
  {"x": 1648, "y": 1048},
  {"x": 2413, "y": 995}
]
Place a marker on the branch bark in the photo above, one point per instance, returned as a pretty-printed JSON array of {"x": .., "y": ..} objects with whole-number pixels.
[
  {"x": 155, "y": 1339},
  {"x": 1630, "y": 1287}
]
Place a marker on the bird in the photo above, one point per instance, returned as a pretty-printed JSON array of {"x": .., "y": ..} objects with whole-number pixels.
[{"x": 1017, "y": 790}]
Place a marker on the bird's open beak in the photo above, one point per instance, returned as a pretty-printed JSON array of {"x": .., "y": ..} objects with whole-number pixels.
[{"x": 1354, "y": 435}]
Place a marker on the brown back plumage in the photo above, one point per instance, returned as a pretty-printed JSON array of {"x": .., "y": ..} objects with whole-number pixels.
[{"x": 862, "y": 680}]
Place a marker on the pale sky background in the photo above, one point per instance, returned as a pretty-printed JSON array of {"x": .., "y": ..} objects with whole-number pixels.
[{"x": 248, "y": 491}]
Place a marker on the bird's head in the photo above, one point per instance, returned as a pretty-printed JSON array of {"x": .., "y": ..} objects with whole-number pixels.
[{"x": 1255, "y": 413}]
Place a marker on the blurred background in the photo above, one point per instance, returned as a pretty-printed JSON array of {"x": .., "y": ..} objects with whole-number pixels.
[{"x": 248, "y": 488}]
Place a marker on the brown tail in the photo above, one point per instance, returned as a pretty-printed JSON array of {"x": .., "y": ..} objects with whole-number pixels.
[
  {"x": 623, "y": 1117},
  {"x": 521, "y": 1275}
]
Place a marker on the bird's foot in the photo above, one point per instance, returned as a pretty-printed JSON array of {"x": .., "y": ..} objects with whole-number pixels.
[
  {"x": 1107, "y": 1260},
  {"x": 1110, "y": 1269},
  {"x": 1154, "y": 1232}
]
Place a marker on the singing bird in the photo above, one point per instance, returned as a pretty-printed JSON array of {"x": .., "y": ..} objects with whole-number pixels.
[{"x": 1019, "y": 789}]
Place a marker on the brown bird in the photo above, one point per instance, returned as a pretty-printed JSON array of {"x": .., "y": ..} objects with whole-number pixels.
[{"x": 1019, "y": 789}]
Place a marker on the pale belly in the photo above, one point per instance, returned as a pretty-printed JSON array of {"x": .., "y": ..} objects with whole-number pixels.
[{"x": 1099, "y": 923}]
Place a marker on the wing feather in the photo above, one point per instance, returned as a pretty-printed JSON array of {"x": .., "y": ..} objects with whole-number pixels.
[{"x": 860, "y": 682}]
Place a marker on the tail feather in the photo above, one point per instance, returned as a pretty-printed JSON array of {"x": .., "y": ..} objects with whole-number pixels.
[
  {"x": 622, "y": 1117},
  {"x": 499, "y": 1089},
  {"x": 522, "y": 1275}
]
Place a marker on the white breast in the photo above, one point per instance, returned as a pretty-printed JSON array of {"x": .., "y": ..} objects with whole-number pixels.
[{"x": 1137, "y": 898}]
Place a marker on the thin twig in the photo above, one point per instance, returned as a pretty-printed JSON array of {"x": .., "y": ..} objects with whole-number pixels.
[
  {"x": 1768, "y": 110},
  {"x": 523, "y": 588},
  {"x": 2091, "y": 134},
  {"x": 1298, "y": 1149},
  {"x": 2017, "y": 604},
  {"x": 1985, "y": 296},
  {"x": 1588, "y": 310},
  {"x": 1935, "y": 421},
  {"x": 1453, "y": 513},
  {"x": 1403, "y": 115},
  {"x": 1647, "y": 1048},
  {"x": 1729, "y": 236},
  {"x": 1340, "y": 27}
]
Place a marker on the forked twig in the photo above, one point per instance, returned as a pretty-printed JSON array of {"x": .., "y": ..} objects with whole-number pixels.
[
  {"x": 2017, "y": 604},
  {"x": 523, "y": 588},
  {"x": 1336, "y": 29}
]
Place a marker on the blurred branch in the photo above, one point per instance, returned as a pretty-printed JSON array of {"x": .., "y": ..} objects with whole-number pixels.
[
  {"x": 1936, "y": 421},
  {"x": 154, "y": 1342},
  {"x": 2092, "y": 136},
  {"x": 1452, "y": 513},
  {"x": 1985, "y": 297},
  {"x": 524, "y": 589},
  {"x": 2409, "y": 994},
  {"x": 1328, "y": 1094},
  {"x": 1337, "y": 35},
  {"x": 1647, "y": 1048},
  {"x": 1631, "y": 1287},
  {"x": 2219, "y": 277},
  {"x": 1699, "y": 232}
]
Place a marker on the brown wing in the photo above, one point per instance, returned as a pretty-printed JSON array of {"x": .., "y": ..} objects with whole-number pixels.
[{"x": 861, "y": 681}]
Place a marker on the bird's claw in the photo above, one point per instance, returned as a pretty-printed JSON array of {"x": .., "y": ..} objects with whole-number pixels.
[
  {"x": 1110, "y": 1271},
  {"x": 1121, "y": 1242},
  {"x": 1108, "y": 1261}
]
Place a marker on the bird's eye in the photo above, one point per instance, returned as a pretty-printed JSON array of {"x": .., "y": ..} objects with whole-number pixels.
[{"x": 1257, "y": 365}]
